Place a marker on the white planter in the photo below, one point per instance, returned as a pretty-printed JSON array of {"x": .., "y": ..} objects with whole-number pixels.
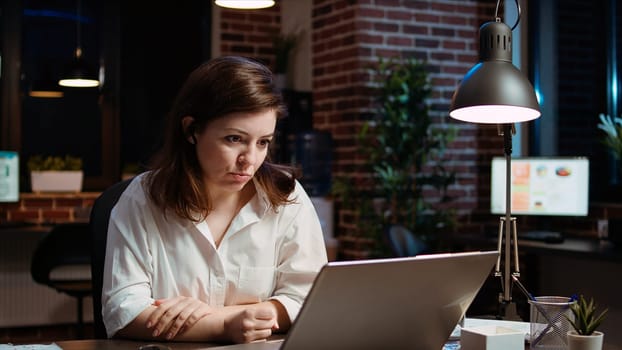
[
  {"x": 56, "y": 181},
  {"x": 585, "y": 342}
]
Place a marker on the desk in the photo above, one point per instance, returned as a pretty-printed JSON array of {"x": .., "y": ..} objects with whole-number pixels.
[
  {"x": 23, "y": 228},
  {"x": 575, "y": 247},
  {"x": 100, "y": 344},
  {"x": 578, "y": 248},
  {"x": 581, "y": 266},
  {"x": 133, "y": 345},
  {"x": 96, "y": 344}
]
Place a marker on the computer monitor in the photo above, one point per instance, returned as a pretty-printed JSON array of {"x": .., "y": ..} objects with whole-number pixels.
[
  {"x": 9, "y": 176},
  {"x": 554, "y": 186}
]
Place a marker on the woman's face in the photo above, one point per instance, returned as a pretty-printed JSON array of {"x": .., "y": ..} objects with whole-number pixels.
[{"x": 231, "y": 149}]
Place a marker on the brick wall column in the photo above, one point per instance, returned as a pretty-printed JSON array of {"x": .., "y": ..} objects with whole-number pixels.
[{"x": 350, "y": 35}]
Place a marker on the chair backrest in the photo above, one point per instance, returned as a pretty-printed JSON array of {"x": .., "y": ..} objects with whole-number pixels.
[
  {"x": 66, "y": 244},
  {"x": 100, "y": 216},
  {"x": 403, "y": 242}
]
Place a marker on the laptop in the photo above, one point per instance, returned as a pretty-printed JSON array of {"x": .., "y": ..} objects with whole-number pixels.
[{"x": 397, "y": 303}]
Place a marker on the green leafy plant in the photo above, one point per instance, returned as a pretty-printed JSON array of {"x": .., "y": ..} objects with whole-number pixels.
[
  {"x": 586, "y": 320},
  {"x": 403, "y": 151},
  {"x": 40, "y": 163},
  {"x": 613, "y": 134}
]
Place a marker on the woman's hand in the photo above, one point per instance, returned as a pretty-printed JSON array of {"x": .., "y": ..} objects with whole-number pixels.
[
  {"x": 253, "y": 323},
  {"x": 173, "y": 316}
]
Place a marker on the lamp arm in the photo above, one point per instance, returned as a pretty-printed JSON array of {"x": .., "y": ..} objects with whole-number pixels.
[
  {"x": 511, "y": 235},
  {"x": 507, "y": 146}
]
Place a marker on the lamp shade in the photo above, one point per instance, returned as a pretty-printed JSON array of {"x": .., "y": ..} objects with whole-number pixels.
[
  {"x": 44, "y": 86},
  {"x": 245, "y": 4},
  {"x": 43, "y": 89},
  {"x": 494, "y": 91},
  {"x": 80, "y": 74}
]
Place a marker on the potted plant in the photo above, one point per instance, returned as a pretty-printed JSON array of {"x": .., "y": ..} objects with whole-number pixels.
[
  {"x": 402, "y": 149},
  {"x": 612, "y": 127},
  {"x": 283, "y": 45},
  {"x": 55, "y": 173},
  {"x": 585, "y": 322},
  {"x": 613, "y": 134}
]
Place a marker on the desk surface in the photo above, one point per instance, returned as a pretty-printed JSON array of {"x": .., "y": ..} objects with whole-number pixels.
[
  {"x": 23, "y": 228},
  {"x": 577, "y": 247},
  {"x": 100, "y": 344},
  {"x": 134, "y": 345}
]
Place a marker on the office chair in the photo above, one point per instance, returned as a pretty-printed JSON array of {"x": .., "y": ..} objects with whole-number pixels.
[
  {"x": 100, "y": 215},
  {"x": 402, "y": 242},
  {"x": 65, "y": 245}
]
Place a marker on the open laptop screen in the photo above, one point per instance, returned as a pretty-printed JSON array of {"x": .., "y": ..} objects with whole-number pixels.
[{"x": 400, "y": 303}]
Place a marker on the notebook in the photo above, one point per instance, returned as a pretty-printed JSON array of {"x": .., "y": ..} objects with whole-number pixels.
[{"x": 398, "y": 303}]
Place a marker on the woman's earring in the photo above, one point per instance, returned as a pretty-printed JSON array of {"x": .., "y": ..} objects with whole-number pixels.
[{"x": 193, "y": 139}]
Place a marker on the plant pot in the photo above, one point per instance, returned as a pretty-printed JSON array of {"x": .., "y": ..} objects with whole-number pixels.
[
  {"x": 585, "y": 342},
  {"x": 56, "y": 181}
]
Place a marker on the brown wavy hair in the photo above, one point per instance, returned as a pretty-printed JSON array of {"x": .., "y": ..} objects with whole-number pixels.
[{"x": 215, "y": 89}]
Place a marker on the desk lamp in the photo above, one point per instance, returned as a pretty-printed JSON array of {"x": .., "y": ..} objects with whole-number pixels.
[{"x": 495, "y": 92}]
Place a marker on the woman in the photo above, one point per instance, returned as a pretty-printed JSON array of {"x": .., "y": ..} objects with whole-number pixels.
[{"x": 214, "y": 243}]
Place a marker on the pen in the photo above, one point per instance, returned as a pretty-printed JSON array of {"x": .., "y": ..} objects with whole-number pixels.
[
  {"x": 522, "y": 288},
  {"x": 530, "y": 296}
]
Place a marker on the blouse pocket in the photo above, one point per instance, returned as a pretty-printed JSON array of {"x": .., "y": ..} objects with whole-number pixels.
[{"x": 255, "y": 284}]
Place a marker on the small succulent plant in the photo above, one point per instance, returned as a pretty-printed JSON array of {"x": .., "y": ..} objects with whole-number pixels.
[{"x": 586, "y": 320}]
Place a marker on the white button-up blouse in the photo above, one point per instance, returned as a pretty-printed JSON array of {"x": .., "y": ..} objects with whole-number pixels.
[{"x": 263, "y": 255}]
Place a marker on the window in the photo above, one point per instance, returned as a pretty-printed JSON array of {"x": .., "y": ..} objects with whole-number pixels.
[
  {"x": 41, "y": 40},
  {"x": 119, "y": 123},
  {"x": 574, "y": 68}
]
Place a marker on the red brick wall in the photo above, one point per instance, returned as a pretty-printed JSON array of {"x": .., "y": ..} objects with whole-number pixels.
[
  {"x": 46, "y": 208},
  {"x": 349, "y": 35},
  {"x": 248, "y": 32}
]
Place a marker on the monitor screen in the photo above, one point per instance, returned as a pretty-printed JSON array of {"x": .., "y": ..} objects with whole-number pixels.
[
  {"x": 9, "y": 176},
  {"x": 541, "y": 186}
]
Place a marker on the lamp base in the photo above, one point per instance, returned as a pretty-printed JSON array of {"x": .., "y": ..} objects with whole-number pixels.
[{"x": 507, "y": 310}]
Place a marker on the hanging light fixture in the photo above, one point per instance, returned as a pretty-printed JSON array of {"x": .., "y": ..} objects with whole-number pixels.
[
  {"x": 494, "y": 91},
  {"x": 45, "y": 93},
  {"x": 245, "y": 4},
  {"x": 44, "y": 87},
  {"x": 79, "y": 74}
]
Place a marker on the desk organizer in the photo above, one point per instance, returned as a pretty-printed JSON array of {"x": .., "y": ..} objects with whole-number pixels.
[
  {"x": 549, "y": 322},
  {"x": 491, "y": 338}
]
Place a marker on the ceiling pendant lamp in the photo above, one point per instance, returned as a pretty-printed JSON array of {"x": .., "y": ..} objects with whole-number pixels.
[
  {"x": 44, "y": 86},
  {"x": 80, "y": 74},
  {"x": 45, "y": 93},
  {"x": 245, "y": 4}
]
